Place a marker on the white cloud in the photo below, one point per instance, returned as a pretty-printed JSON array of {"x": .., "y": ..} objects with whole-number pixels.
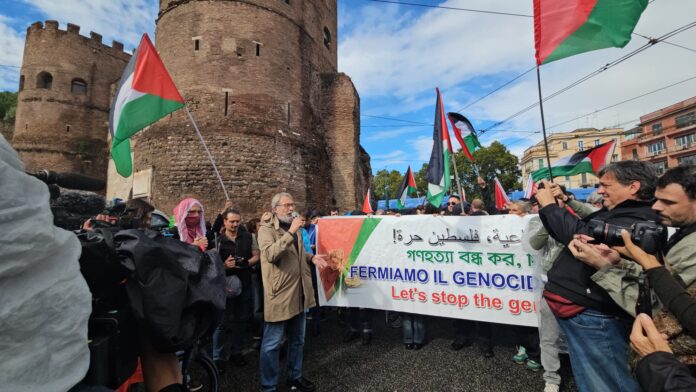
[
  {"x": 11, "y": 49},
  {"x": 404, "y": 58},
  {"x": 121, "y": 20},
  {"x": 422, "y": 147}
]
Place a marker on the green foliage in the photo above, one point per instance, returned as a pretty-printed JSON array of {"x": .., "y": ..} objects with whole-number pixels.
[
  {"x": 392, "y": 179},
  {"x": 492, "y": 161},
  {"x": 8, "y": 106}
]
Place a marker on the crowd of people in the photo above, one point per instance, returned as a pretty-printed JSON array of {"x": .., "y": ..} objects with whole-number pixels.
[{"x": 612, "y": 282}]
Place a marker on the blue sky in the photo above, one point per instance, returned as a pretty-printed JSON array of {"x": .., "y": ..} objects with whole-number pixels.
[{"x": 397, "y": 54}]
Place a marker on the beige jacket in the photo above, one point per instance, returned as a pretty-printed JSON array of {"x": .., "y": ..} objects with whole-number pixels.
[{"x": 287, "y": 279}]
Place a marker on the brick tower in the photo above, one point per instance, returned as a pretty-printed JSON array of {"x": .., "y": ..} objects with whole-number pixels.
[
  {"x": 260, "y": 78},
  {"x": 64, "y": 94}
]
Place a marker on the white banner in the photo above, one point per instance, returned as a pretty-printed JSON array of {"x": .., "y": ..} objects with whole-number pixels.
[{"x": 460, "y": 267}]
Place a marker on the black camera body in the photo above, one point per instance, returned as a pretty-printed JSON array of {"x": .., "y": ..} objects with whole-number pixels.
[
  {"x": 241, "y": 261},
  {"x": 648, "y": 235}
]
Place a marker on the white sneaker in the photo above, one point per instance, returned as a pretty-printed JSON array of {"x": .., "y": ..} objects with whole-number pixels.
[{"x": 551, "y": 387}]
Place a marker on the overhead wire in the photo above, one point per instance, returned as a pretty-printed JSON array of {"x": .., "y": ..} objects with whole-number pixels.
[
  {"x": 594, "y": 73},
  {"x": 451, "y": 8}
]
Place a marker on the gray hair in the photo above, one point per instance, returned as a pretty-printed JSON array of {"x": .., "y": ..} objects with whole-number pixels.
[
  {"x": 276, "y": 198},
  {"x": 525, "y": 206},
  {"x": 595, "y": 198},
  {"x": 628, "y": 171}
]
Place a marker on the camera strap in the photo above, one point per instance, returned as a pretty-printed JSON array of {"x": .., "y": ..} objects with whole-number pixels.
[{"x": 644, "y": 303}]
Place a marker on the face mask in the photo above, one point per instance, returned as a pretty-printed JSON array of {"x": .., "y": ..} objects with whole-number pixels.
[{"x": 192, "y": 220}]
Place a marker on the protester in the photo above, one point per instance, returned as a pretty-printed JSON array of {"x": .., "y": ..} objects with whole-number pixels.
[
  {"x": 584, "y": 310},
  {"x": 309, "y": 236},
  {"x": 189, "y": 220},
  {"x": 239, "y": 254},
  {"x": 595, "y": 200},
  {"x": 477, "y": 208},
  {"x": 452, "y": 202},
  {"x": 257, "y": 287},
  {"x": 288, "y": 292}
]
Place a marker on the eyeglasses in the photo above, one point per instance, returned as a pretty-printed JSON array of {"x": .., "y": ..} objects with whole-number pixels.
[
  {"x": 287, "y": 205},
  {"x": 452, "y": 203}
]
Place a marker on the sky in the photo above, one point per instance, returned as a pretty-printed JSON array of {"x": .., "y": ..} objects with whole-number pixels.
[{"x": 397, "y": 54}]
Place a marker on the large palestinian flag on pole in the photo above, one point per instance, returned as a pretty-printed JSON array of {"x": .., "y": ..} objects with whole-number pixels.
[
  {"x": 407, "y": 185},
  {"x": 563, "y": 28},
  {"x": 145, "y": 94},
  {"x": 587, "y": 161},
  {"x": 465, "y": 134},
  {"x": 438, "y": 174}
]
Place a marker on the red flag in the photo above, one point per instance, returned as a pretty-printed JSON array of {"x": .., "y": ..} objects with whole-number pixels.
[
  {"x": 367, "y": 207},
  {"x": 501, "y": 198}
]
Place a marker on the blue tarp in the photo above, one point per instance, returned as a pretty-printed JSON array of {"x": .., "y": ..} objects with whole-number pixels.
[{"x": 413, "y": 202}]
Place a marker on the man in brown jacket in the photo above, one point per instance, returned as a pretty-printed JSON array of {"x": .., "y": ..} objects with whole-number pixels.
[{"x": 288, "y": 291}]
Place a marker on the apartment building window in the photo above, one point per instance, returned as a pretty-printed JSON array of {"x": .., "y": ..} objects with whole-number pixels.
[
  {"x": 583, "y": 179},
  {"x": 685, "y": 141},
  {"x": 596, "y": 142},
  {"x": 660, "y": 167},
  {"x": 687, "y": 160},
  {"x": 614, "y": 157},
  {"x": 657, "y": 128},
  {"x": 656, "y": 148},
  {"x": 541, "y": 163},
  {"x": 581, "y": 145},
  {"x": 635, "y": 154},
  {"x": 685, "y": 119},
  {"x": 565, "y": 145}
]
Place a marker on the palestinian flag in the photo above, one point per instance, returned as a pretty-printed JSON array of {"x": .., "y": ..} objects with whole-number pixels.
[
  {"x": 145, "y": 94},
  {"x": 530, "y": 188},
  {"x": 367, "y": 207},
  {"x": 438, "y": 174},
  {"x": 501, "y": 198},
  {"x": 465, "y": 134},
  {"x": 563, "y": 28},
  {"x": 587, "y": 161},
  {"x": 407, "y": 185}
]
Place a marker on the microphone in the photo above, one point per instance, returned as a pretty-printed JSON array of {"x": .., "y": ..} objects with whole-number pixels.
[{"x": 70, "y": 180}]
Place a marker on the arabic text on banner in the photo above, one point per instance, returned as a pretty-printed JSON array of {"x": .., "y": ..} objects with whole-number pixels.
[{"x": 461, "y": 267}]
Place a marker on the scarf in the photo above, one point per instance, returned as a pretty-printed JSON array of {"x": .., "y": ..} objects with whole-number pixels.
[{"x": 188, "y": 232}]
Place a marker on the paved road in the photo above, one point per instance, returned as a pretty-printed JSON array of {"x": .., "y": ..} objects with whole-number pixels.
[{"x": 386, "y": 365}]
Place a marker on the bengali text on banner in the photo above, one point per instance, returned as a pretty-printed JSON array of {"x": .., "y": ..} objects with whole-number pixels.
[{"x": 461, "y": 267}]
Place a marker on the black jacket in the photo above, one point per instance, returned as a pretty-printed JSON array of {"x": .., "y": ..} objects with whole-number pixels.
[
  {"x": 662, "y": 371},
  {"x": 571, "y": 278}
]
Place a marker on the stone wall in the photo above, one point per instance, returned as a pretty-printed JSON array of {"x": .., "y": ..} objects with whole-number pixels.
[
  {"x": 64, "y": 95},
  {"x": 251, "y": 73}
]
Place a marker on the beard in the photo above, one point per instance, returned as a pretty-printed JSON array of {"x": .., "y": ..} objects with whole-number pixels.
[{"x": 285, "y": 218}]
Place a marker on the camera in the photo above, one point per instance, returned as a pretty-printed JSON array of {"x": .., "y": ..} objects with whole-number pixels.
[
  {"x": 649, "y": 236},
  {"x": 241, "y": 261}
]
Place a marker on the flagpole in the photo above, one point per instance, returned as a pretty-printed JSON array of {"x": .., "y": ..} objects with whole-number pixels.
[
  {"x": 205, "y": 146},
  {"x": 456, "y": 176},
  {"x": 543, "y": 124}
]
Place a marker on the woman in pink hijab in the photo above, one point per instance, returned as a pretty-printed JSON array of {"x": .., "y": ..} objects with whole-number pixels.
[{"x": 190, "y": 222}]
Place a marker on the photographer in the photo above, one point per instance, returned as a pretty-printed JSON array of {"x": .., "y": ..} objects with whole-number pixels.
[
  {"x": 673, "y": 282},
  {"x": 239, "y": 253},
  {"x": 584, "y": 310}
]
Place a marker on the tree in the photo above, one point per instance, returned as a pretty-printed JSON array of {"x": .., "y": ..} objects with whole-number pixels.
[
  {"x": 392, "y": 179},
  {"x": 493, "y": 161},
  {"x": 8, "y": 106}
]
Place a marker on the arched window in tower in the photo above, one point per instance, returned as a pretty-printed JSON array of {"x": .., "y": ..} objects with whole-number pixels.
[
  {"x": 21, "y": 82},
  {"x": 44, "y": 80},
  {"x": 327, "y": 37},
  {"x": 78, "y": 87}
]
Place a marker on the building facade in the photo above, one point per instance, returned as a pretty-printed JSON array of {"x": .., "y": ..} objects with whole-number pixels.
[
  {"x": 665, "y": 137},
  {"x": 564, "y": 144}
]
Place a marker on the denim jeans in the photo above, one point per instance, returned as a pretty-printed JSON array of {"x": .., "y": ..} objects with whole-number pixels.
[
  {"x": 360, "y": 319},
  {"x": 270, "y": 349},
  {"x": 229, "y": 335},
  {"x": 599, "y": 351},
  {"x": 413, "y": 328}
]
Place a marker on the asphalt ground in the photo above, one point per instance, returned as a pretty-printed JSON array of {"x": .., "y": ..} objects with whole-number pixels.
[{"x": 385, "y": 365}]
